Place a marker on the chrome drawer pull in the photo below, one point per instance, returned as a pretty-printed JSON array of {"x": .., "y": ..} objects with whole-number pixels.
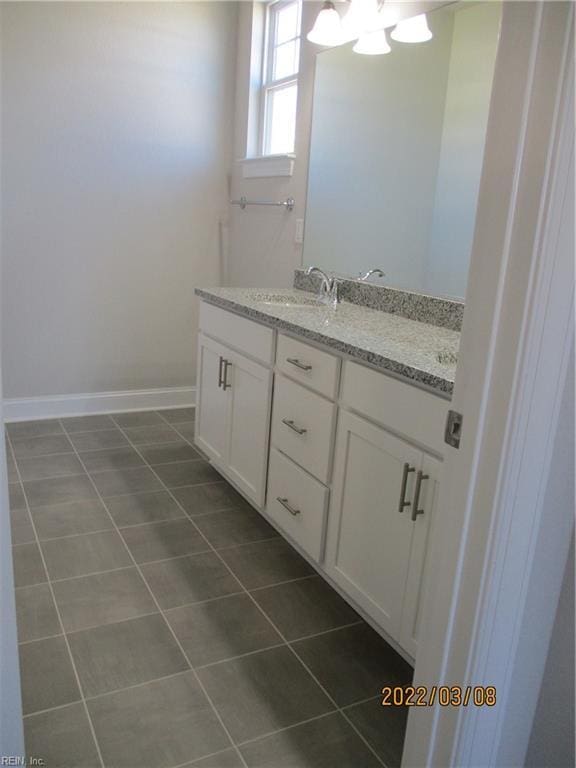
[
  {"x": 415, "y": 511},
  {"x": 293, "y": 427},
  {"x": 287, "y": 506},
  {"x": 403, "y": 503},
  {"x": 298, "y": 364},
  {"x": 220, "y": 364},
  {"x": 225, "y": 384}
]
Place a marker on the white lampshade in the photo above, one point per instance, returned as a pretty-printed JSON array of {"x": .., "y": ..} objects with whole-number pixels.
[
  {"x": 414, "y": 30},
  {"x": 362, "y": 16},
  {"x": 327, "y": 29},
  {"x": 372, "y": 44}
]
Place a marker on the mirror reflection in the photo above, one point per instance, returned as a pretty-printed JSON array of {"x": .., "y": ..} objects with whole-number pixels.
[{"x": 396, "y": 154}]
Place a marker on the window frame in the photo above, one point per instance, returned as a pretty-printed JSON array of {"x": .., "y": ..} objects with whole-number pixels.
[{"x": 270, "y": 85}]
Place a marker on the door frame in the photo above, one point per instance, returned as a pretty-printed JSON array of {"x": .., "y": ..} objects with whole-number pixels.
[{"x": 499, "y": 550}]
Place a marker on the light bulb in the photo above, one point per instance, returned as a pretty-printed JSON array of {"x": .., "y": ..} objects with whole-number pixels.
[
  {"x": 372, "y": 44},
  {"x": 362, "y": 16},
  {"x": 414, "y": 30},
  {"x": 327, "y": 29}
]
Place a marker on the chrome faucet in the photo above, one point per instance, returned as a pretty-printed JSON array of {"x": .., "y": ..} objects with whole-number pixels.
[
  {"x": 371, "y": 272},
  {"x": 329, "y": 286}
]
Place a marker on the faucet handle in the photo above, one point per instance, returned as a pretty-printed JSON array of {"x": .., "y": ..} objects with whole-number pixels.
[{"x": 376, "y": 271}]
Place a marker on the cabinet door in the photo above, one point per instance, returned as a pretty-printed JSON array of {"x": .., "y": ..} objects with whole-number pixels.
[
  {"x": 419, "y": 565},
  {"x": 249, "y": 389},
  {"x": 212, "y": 413},
  {"x": 369, "y": 540}
]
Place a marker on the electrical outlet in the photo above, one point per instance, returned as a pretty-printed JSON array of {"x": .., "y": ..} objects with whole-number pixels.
[{"x": 299, "y": 232}]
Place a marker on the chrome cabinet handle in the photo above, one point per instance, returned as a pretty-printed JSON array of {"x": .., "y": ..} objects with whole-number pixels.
[
  {"x": 220, "y": 379},
  {"x": 293, "y": 427},
  {"x": 225, "y": 384},
  {"x": 298, "y": 364},
  {"x": 288, "y": 506},
  {"x": 419, "y": 477},
  {"x": 403, "y": 503}
]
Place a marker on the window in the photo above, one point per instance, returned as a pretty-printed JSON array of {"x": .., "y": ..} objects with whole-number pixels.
[{"x": 280, "y": 77}]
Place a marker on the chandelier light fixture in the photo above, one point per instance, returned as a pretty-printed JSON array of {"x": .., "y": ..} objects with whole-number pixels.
[
  {"x": 372, "y": 43},
  {"x": 414, "y": 30},
  {"x": 327, "y": 29},
  {"x": 365, "y": 21}
]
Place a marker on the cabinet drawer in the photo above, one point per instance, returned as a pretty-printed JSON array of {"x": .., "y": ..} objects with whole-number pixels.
[
  {"x": 237, "y": 332},
  {"x": 297, "y": 503},
  {"x": 302, "y": 426},
  {"x": 400, "y": 407},
  {"x": 317, "y": 369}
]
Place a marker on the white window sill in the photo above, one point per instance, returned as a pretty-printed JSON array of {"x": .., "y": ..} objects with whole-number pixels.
[{"x": 267, "y": 166}]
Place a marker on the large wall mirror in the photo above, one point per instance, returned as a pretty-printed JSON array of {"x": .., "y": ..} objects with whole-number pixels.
[{"x": 396, "y": 153}]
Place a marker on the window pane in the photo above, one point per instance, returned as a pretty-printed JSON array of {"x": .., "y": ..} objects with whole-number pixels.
[
  {"x": 286, "y": 23},
  {"x": 286, "y": 60},
  {"x": 282, "y": 119}
]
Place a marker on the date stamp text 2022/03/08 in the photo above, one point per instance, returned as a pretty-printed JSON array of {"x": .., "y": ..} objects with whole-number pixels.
[{"x": 443, "y": 695}]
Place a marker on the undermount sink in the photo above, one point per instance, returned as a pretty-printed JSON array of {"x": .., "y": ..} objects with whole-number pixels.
[{"x": 286, "y": 300}]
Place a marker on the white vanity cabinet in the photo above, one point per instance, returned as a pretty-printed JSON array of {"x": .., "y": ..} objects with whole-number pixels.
[
  {"x": 376, "y": 543},
  {"x": 341, "y": 458},
  {"x": 233, "y": 402}
]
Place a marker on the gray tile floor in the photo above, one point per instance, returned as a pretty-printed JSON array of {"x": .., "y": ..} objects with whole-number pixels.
[{"x": 162, "y": 622}]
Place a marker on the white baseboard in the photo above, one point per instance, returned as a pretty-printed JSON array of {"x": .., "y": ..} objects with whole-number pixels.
[{"x": 59, "y": 406}]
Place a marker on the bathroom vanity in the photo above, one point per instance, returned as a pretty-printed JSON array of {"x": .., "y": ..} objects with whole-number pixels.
[{"x": 330, "y": 422}]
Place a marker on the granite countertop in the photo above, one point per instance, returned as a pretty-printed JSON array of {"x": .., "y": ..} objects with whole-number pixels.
[{"x": 406, "y": 348}]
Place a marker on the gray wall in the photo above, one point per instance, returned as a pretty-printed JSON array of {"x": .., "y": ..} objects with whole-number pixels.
[{"x": 116, "y": 138}]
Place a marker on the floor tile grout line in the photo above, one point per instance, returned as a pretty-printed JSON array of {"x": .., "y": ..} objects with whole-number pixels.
[
  {"x": 330, "y": 698},
  {"x": 61, "y": 420},
  {"x": 38, "y": 639},
  {"x": 73, "y": 535},
  {"x": 69, "y": 632},
  {"x": 153, "y": 562},
  {"x": 331, "y": 713},
  {"x": 166, "y": 622},
  {"x": 145, "y": 463},
  {"x": 169, "y": 610},
  {"x": 43, "y": 455},
  {"x": 61, "y": 623},
  {"x": 51, "y": 709},
  {"x": 200, "y": 759},
  {"x": 304, "y": 722},
  {"x": 227, "y": 548},
  {"x": 276, "y": 645},
  {"x": 215, "y": 511},
  {"x": 282, "y": 583},
  {"x": 122, "y": 495}
]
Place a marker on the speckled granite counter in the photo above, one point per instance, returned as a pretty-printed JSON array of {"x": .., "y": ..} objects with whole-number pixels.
[{"x": 405, "y": 348}]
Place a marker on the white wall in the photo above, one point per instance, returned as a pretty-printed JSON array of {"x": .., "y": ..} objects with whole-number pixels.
[{"x": 116, "y": 137}]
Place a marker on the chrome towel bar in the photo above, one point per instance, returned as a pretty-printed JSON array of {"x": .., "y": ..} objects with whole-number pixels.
[{"x": 288, "y": 204}]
